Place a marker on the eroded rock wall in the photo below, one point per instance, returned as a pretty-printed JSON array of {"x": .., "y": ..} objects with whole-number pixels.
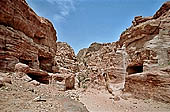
[
  {"x": 147, "y": 45},
  {"x": 142, "y": 54},
  {"x": 25, "y": 37},
  {"x": 65, "y": 59},
  {"x": 101, "y": 64},
  {"x": 147, "y": 42}
]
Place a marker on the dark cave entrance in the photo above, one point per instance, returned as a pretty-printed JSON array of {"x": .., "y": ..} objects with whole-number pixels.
[
  {"x": 27, "y": 62},
  {"x": 38, "y": 78},
  {"x": 134, "y": 69}
]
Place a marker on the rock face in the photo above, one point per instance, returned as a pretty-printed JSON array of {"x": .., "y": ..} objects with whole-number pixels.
[
  {"x": 150, "y": 85},
  {"x": 28, "y": 44},
  {"x": 147, "y": 45},
  {"x": 65, "y": 60},
  {"x": 25, "y": 37},
  {"x": 19, "y": 16},
  {"x": 141, "y": 49},
  {"x": 101, "y": 65},
  {"x": 35, "y": 74}
]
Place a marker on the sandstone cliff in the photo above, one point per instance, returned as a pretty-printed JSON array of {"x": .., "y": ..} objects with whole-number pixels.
[
  {"x": 142, "y": 48},
  {"x": 127, "y": 64},
  {"x": 147, "y": 45},
  {"x": 102, "y": 64},
  {"x": 25, "y": 37}
]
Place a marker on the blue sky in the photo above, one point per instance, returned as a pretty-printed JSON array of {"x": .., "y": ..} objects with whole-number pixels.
[{"x": 82, "y": 22}]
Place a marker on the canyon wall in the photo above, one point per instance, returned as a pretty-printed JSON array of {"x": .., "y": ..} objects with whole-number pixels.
[
  {"x": 102, "y": 64},
  {"x": 137, "y": 63},
  {"x": 141, "y": 58},
  {"x": 148, "y": 48},
  {"x": 25, "y": 37}
]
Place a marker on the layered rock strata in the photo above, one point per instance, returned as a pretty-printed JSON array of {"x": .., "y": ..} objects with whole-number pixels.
[
  {"x": 25, "y": 37},
  {"x": 102, "y": 65},
  {"x": 147, "y": 45}
]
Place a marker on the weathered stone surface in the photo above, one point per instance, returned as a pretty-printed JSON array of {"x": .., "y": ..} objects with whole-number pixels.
[
  {"x": 65, "y": 61},
  {"x": 25, "y": 37},
  {"x": 101, "y": 65},
  {"x": 18, "y": 15},
  {"x": 147, "y": 42},
  {"x": 139, "y": 19},
  {"x": 20, "y": 67},
  {"x": 23, "y": 71},
  {"x": 164, "y": 8},
  {"x": 142, "y": 50},
  {"x": 70, "y": 82},
  {"x": 38, "y": 75},
  {"x": 151, "y": 85},
  {"x": 147, "y": 45}
]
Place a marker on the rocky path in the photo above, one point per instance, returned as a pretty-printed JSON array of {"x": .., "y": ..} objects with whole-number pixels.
[
  {"x": 101, "y": 101},
  {"x": 22, "y": 96},
  {"x": 25, "y": 97}
]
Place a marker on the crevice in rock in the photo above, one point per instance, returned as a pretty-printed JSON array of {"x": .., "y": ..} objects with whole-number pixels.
[
  {"x": 5, "y": 24},
  {"x": 134, "y": 69},
  {"x": 27, "y": 62},
  {"x": 156, "y": 31},
  {"x": 38, "y": 78}
]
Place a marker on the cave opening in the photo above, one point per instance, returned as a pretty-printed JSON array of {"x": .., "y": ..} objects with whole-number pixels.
[
  {"x": 40, "y": 79},
  {"x": 27, "y": 62},
  {"x": 134, "y": 69}
]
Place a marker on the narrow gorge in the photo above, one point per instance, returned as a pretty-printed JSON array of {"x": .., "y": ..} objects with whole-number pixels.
[{"x": 40, "y": 74}]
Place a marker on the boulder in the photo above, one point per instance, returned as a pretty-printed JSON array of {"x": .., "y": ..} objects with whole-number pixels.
[
  {"x": 38, "y": 75},
  {"x": 20, "y": 67},
  {"x": 70, "y": 82},
  {"x": 34, "y": 82}
]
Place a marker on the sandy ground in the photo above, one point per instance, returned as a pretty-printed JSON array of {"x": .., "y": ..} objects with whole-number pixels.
[
  {"x": 21, "y": 96},
  {"x": 102, "y": 101}
]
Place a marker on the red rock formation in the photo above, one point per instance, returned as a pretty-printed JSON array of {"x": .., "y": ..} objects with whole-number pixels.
[
  {"x": 101, "y": 65},
  {"x": 65, "y": 60},
  {"x": 147, "y": 42},
  {"x": 139, "y": 19},
  {"x": 25, "y": 37},
  {"x": 142, "y": 48},
  {"x": 163, "y": 10},
  {"x": 149, "y": 85},
  {"x": 18, "y": 15},
  {"x": 147, "y": 45}
]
